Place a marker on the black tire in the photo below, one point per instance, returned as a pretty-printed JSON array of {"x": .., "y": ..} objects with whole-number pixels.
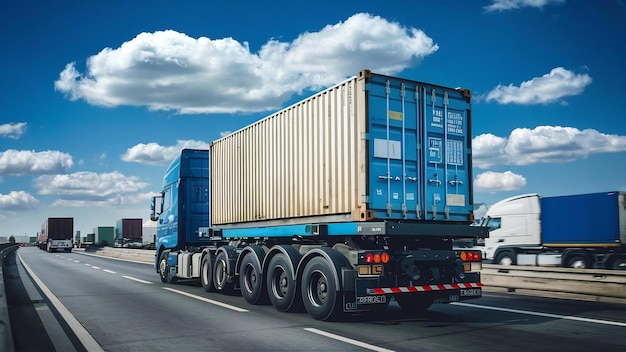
[
  {"x": 618, "y": 263},
  {"x": 206, "y": 273},
  {"x": 319, "y": 290},
  {"x": 413, "y": 303},
  {"x": 577, "y": 261},
  {"x": 164, "y": 269},
  {"x": 251, "y": 280},
  {"x": 282, "y": 289},
  {"x": 506, "y": 258},
  {"x": 220, "y": 275}
]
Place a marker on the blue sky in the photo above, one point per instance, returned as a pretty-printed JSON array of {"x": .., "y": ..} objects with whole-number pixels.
[{"x": 99, "y": 96}]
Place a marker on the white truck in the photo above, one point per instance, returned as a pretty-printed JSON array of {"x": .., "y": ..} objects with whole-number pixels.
[{"x": 576, "y": 231}]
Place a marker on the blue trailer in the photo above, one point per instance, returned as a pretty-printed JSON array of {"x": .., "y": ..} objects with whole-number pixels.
[{"x": 339, "y": 203}]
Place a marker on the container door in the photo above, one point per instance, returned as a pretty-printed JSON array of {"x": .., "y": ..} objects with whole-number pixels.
[
  {"x": 447, "y": 177},
  {"x": 393, "y": 120}
]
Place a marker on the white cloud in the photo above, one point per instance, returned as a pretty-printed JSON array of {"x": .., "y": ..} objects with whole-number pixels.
[
  {"x": 155, "y": 154},
  {"x": 22, "y": 162},
  {"x": 549, "y": 88},
  {"x": 12, "y": 130},
  {"x": 167, "y": 70},
  {"x": 543, "y": 144},
  {"x": 503, "y": 5},
  {"x": 89, "y": 188},
  {"x": 498, "y": 181},
  {"x": 225, "y": 133},
  {"x": 17, "y": 200}
]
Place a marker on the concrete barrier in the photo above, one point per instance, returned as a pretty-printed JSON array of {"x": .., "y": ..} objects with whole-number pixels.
[
  {"x": 588, "y": 284},
  {"x": 6, "y": 336},
  {"x": 141, "y": 255}
]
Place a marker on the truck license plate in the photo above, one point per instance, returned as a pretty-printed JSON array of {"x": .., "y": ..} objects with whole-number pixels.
[
  {"x": 468, "y": 292},
  {"x": 372, "y": 299}
]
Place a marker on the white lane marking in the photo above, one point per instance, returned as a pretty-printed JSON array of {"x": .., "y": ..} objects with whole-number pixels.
[
  {"x": 95, "y": 267},
  {"x": 76, "y": 261},
  {"x": 138, "y": 280},
  {"x": 109, "y": 271},
  {"x": 83, "y": 335},
  {"x": 217, "y": 303},
  {"x": 539, "y": 314},
  {"x": 348, "y": 340},
  {"x": 87, "y": 264}
]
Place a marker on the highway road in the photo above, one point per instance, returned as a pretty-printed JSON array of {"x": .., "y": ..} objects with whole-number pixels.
[{"x": 114, "y": 305}]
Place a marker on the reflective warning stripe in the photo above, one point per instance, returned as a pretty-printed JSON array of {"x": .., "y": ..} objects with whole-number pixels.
[{"x": 387, "y": 290}]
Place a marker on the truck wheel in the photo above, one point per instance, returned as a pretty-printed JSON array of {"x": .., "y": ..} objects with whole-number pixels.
[
  {"x": 618, "y": 264},
  {"x": 206, "y": 273},
  {"x": 319, "y": 290},
  {"x": 281, "y": 286},
  {"x": 164, "y": 269},
  {"x": 505, "y": 258},
  {"x": 251, "y": 280},
  {"x": 414, "y": 303},
  {"x": 220, "y": 275},
  {"x": 578, "y": 261}
]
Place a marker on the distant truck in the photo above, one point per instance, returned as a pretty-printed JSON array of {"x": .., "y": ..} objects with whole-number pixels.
[
  {"x": 576, "y": 231},
  {"x": 338, "y": 204},
  {"x": 129, "y": 232},
  {"x": 56, "y": 234}
]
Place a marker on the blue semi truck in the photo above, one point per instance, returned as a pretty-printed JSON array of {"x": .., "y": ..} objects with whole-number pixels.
[{"x": 337, "y": 204}]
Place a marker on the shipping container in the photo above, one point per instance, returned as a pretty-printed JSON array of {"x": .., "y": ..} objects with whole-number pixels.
[
  {"x": 104, "y": 235},
  {"x": 371, "y": 147},
  {"x": 129, "y": 228}
]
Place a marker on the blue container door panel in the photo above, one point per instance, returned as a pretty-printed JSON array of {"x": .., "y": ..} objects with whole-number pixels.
[
  {"x": 447, "y": 178},
  {"x": 393, "y": 119}
]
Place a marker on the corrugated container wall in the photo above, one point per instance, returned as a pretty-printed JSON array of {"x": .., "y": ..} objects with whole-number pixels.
[
  {"x": 129, "y": 228},
  {"x": 58, "y": 228},
  {"x": 371, "y": 147}
]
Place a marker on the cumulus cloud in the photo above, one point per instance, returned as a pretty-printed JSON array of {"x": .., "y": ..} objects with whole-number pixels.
[
  {"x": 12, "y": 130},
  {"x": 17, "y": 200},
  {"x": 498, "y": 181},
  {"x": 89, "y": 188},
  {"x": 543, "y": 144},
  {"x": 549, "y": 88},
  {"x": 503, "y": 5},
  {"x": 155, "y": 154},
  {"x": 167, "y": 70},
  {"x": 22, "y": 162}
]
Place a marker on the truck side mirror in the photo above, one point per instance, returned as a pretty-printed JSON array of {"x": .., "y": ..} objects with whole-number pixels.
[{"x": 156, "y": 208}]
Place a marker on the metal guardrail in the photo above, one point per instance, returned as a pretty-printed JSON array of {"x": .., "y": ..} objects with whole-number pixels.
[
  {"x": 6, "y": 336},
  {"x": 590, "y": 284}
]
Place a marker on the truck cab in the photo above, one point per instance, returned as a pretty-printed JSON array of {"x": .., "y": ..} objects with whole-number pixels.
[
  {"x": 183, "y": 204},
  {"x": 512, "y": 222}
]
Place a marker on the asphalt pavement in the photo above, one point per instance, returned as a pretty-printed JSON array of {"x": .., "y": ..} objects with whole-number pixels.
[{"x": 35, "y": 323}]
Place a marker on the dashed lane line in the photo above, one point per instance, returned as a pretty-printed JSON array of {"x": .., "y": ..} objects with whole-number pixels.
[
  {"x": 217, "y": 303},
  {"x": 137, "y": 280},
  {"x": 540, "y": 314},
  {"x": 348, "y": 340}
]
